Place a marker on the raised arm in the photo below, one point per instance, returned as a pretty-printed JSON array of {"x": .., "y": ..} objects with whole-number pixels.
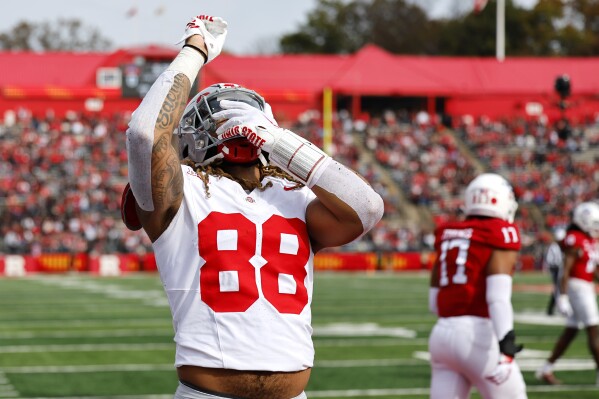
[
  {"x": 154, "y": 167},
  {"x": 346, "y": 206}
]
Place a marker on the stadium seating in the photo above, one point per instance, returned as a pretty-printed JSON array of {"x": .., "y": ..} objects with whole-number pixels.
[{"x": 61, "y": 178}]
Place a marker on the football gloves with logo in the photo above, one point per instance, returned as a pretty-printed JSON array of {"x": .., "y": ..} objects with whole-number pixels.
[
  {"x": 242, "y": 119},
  {"x": 212, "y": 29}
]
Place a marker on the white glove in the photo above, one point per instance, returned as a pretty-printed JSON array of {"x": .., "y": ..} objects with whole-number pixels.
[
  {"x": 269, "y": 114},
  {"x": 502, "y": 371},
  {"x": 242, "y": 119},
  {"x": 563, "y": 305},
  {"x": 212, "y": 29}
]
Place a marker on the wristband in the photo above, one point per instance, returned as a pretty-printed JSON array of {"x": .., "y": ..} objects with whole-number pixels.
[
  {"x": 508, "y": 346},
  {"x": 199, "y": 50},
  {"x": 298, "y": 156},
  {"x": 188, "y": 63}
]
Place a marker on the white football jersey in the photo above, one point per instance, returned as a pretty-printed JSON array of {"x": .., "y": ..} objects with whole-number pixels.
[{"x": 238, "y": 272}]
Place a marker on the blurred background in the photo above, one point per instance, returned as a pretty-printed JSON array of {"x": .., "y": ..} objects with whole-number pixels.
[{"x": 419, "y": 96}]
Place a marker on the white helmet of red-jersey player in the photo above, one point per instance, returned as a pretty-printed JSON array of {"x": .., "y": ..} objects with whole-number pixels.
[
  {"x": 490, "y": 194},
  {"x": 586, "y": 216},
  {"x": 197, "y": 129}
]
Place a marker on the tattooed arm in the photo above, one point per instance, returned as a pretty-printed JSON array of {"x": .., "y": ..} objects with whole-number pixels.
[
  {"x": 167, "y": 178},
  {"x": 166, "y": 174}
]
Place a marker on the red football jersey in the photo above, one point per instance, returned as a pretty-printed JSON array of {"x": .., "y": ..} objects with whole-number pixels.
[
  {"x": 588, "y": 255},
  {"x": 463, "y": 252}
]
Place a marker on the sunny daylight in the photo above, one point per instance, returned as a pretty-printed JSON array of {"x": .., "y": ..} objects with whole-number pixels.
[{"x": 369, "y": 199}]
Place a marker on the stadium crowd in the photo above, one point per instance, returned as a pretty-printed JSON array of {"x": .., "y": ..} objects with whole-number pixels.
[
  {"x": 61, "y": 179},
  {"x": 552, "y": 166}
]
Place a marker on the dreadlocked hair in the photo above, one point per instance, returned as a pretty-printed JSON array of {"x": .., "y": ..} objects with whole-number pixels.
[{"x": 215, "y": 169}]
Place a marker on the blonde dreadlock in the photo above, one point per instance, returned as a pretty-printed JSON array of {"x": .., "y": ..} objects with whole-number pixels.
[{"x": 214, "y": 169}]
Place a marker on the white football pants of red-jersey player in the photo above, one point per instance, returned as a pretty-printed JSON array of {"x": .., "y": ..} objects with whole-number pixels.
[
  {"x": 468, "y": 344},
  {"x": 581, "y": 288}
]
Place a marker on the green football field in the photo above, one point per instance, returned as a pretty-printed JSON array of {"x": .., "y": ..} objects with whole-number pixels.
[{"x": 77, "y": 336}]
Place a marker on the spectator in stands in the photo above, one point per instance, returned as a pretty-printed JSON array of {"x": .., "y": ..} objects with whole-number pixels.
[
  {"x": 553, "y": 262},
  {"x": 473, "y": 341},
  {"x": 578, "y": 300},
  {"x": 429, "y": 164},
  {"x": 251, "y": 199}
]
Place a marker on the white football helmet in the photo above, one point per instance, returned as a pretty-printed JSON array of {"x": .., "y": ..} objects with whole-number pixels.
[
  {"x": 197, "y": 130},
  {"x": 490, "y": 194},
  {"x": 586, "y": 217}
]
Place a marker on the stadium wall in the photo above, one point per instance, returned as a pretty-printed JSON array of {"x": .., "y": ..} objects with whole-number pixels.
[
  {"x": 499, "y": 106},
  {"x": 119, "y": 264}
]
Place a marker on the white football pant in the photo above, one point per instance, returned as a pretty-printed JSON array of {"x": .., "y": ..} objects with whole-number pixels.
[
  {"x": 463, "y": 351},
  {"x": 583, "y": 299}
]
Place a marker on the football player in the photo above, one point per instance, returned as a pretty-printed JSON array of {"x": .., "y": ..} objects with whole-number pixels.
[
  {"x": 473, "y": 342},
  {"x": 577, "y": 300},
  {"x": 553, "y": 262},
  {"x": 235, "y": 207}
]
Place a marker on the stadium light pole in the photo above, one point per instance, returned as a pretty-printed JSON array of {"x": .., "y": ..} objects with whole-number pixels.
[{"x": 500, "y": 31}]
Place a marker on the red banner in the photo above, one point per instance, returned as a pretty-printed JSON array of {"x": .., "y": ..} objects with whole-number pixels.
[
  {"x": 54, "y": 263},
  {"x": 399, "y": 261},
  {"x": 346, "y": 261},
  {"x": 116, "y": 264}
]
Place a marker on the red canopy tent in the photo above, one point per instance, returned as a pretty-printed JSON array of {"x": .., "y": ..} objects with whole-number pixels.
[
  {"x": 295, "y": 83},
  {"x": 63, "y": 81},
  {"x": 468, "y": 85},
  {"x": 291, "y": 84}
]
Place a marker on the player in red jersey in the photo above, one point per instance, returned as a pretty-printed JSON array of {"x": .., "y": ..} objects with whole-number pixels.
[
  {"x": 473, "y": 341},
  {"x": 577, "y": 300}
]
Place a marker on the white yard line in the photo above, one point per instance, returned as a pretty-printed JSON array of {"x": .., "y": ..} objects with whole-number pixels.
[
  {"x": 531, "y": 360},
  {"x": 84, "y": 348},
  {"x": 330, "y": 342},
  {"x": 86, "y": 334},
  {"x": 105, "y": 397},
  {"x": 6, "y": 388},
  {"x": 155, "y": 367},
  {"x": 367, "y": 363},
  {"x": 349, "y": 393},
  {"x": 99, "y": 368}
]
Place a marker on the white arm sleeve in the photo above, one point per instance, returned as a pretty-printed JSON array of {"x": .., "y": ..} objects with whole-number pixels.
[
  {"x": 433, "y": 292},
  {"x": 351, "y": 189},
  {"x": 140, "y": 134},
  {"x": 311, "y": 165},
  {"x": 499, "y": 300}
]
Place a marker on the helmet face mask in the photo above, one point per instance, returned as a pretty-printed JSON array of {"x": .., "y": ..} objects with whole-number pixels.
[
  {"x": 490, "y": 195},
  {"x": 197, "y": 129},
  {"x": 586, "y": 217}
]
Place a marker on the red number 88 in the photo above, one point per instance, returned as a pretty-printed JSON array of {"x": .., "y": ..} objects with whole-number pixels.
[{"x": 280, "y": 262}]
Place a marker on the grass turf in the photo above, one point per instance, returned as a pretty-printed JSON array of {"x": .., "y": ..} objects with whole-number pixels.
[{"x": 82, "y": 336}]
